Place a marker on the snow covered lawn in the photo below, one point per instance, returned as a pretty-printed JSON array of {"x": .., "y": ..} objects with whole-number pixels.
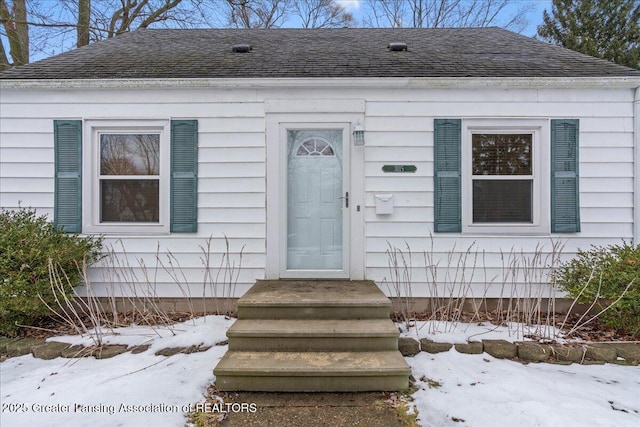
[
  {"x": 484, "y": 391},
  {"x": 144, "y": 389}
]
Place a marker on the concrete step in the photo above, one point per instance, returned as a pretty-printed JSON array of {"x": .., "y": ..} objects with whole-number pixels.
[
  {"x": 312, "y": 371},
  {"x": 314, "y": 299},
  {"x": 313, "y": 335}
]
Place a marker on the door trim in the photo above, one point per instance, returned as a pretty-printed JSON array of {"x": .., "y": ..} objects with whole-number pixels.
[
  {"x": 286, "y": 273},
  {"x": 275, "y": 186}
]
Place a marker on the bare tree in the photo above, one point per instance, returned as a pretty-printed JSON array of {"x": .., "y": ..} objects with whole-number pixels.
[
  {"x": 133, "y": 14},
  {"x": 14, "y": 23},
  {"x": 447, "y": 13},
  {"x": 84, "y": 21},
  {"x": 386, "y": 13},
  {"x": 58, "y": 25},
  {"x": 257, "y": 13},
  {"x": 322, "y": 14}
]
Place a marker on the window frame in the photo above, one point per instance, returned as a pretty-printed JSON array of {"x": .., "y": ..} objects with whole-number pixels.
[
  {"x": 540, "y": 155},
  {"x": 92, "y": 177}
]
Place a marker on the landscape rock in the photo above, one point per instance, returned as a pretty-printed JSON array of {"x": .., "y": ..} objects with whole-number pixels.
[
  {"x": 408, "y": 346},
  {"x": 629, "y": 351},
  {"x": 107, "y": 351},
  {"x": 196, "y": 349},
  {"x": 137, "y": 349},
  {"x": 22, "y": 346},
  {"x": 500, "y": 349},
  {"x": 4, "y": 342},
  {"x": 171, "y": 351},
  {"x": 470, "y": 348},
  {"x": 76, "y": 351},
  {"x": 601, "y": 351},
  {"x": 533, "y": 351},
  {"x": 568, "y": 353},
  {"x": 434, "y": 347},
  {"x": 49, "y": 350},
  {"x": 593, "y": 362}
]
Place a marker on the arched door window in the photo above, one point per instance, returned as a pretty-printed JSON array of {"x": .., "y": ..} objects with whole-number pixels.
[{"x": 315, "y": 146}]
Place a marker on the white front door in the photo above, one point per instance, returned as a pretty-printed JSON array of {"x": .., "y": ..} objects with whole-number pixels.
[{"x": 317, "y": 203}]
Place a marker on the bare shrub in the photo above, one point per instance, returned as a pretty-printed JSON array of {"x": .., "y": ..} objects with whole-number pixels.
[
  {"x": 132, "y": 284},
  {"x": 527, "y": 289}
]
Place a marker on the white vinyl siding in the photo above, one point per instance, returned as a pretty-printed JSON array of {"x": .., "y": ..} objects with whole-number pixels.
[
  {"x": 400, "y": 131},
  {"x": 232, "y": 188}
]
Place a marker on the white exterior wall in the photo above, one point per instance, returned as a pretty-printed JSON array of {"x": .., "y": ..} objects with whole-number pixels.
[
  {"x": 231, "y": 182},
  {"x": 399, "y": 130}
]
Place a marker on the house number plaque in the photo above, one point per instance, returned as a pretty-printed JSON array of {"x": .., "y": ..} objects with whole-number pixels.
[{"x": 399, "y": 168}]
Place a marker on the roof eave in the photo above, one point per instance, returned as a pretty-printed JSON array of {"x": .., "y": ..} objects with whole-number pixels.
[{"x": 337, "y": 82}]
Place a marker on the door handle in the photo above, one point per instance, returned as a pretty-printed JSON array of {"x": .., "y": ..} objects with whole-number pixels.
[{"x": 346, "y": 199}]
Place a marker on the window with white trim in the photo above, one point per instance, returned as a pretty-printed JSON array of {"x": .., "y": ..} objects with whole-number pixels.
[
  {"x": 505, "y": 176},
  {"x": 126, "y": 176},
  {"x": 129, "y": 177},
  {"x": 502, "y": 177}
]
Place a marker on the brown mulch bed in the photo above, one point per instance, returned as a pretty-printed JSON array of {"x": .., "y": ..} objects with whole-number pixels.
[
  {"x": 593, "y": 330},
  {"x": 46, "y": 326}
]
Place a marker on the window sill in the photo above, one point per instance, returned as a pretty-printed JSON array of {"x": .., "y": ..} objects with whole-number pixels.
[
  {"x": 506, "y": 230},
  {"x": 124, "y": 230}
]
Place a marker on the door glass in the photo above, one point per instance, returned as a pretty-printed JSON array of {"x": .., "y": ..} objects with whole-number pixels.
[{"x": 314, "y": 203}]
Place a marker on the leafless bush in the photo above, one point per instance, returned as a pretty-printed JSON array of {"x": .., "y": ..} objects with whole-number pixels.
[
  {"x": 455, "y": 278},
  {"x": 137, "y": 291},
  {"x": 399, "y": 283},
  {"x": 86, "y": 315},
  {"x": 526, "y": 284},
  {"x": 223, "y": 284},
  {"x": 132, "y": 285}
]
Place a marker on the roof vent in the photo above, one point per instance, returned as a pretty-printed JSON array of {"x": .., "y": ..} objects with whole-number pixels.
[
  {"x": 397, "y": 47},
  {"x": 241, "y": 48}
]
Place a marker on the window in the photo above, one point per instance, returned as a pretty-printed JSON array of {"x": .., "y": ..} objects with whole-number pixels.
[
  {"x": 315, "y": 147},
  {"x": 126, "y": 176},
  {"x": 506, "y": 176},
  {"x": 505, "y": 168},
  {"x": 129, "y": 177},
  {"x": 502, "y": 177}
]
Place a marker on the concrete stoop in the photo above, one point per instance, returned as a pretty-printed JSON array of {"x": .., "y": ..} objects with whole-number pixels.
[{"x": 313, "y": 336}]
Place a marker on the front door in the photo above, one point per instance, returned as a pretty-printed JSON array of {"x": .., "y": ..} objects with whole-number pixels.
[{"x": 317, "y": 203}]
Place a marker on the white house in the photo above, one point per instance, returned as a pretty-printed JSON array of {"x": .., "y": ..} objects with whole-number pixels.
[{"x": 472, "y": 138}]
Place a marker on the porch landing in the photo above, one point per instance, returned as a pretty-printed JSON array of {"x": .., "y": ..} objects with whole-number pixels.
[{"x": 313, "y": 336}]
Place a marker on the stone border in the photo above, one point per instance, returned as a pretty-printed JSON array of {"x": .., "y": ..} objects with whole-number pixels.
[
  {"x": 47, "y": 350},
  {"x": 621, "y": 353}
]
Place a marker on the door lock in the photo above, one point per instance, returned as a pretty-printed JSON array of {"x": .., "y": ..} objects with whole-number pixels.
[{"x": 346, "y": 199}]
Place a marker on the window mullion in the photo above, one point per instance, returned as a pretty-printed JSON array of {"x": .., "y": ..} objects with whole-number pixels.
[{"x": 503, "y": 177}]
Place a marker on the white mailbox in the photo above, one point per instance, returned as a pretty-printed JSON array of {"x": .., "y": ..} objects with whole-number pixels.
[{"x": 384, "y": 204}]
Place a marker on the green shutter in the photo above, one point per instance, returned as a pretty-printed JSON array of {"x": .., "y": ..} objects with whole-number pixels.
[
  {"x": 184, "y": 176},
  {"x": 67, "y": 143},
  {"x": 565, "y": 206},
  {"x": 447, "y": 179}
]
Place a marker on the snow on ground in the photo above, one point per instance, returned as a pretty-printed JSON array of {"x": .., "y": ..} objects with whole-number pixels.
[
  {"x": 126, "y": 390},
  {"x": 460, "y": 333},
  {"x": 144, "y": 389},
  {"x": 484, "y": 391}
]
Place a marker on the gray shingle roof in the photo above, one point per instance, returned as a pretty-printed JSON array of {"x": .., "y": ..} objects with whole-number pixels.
[{"x": 207, "y": 53}]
